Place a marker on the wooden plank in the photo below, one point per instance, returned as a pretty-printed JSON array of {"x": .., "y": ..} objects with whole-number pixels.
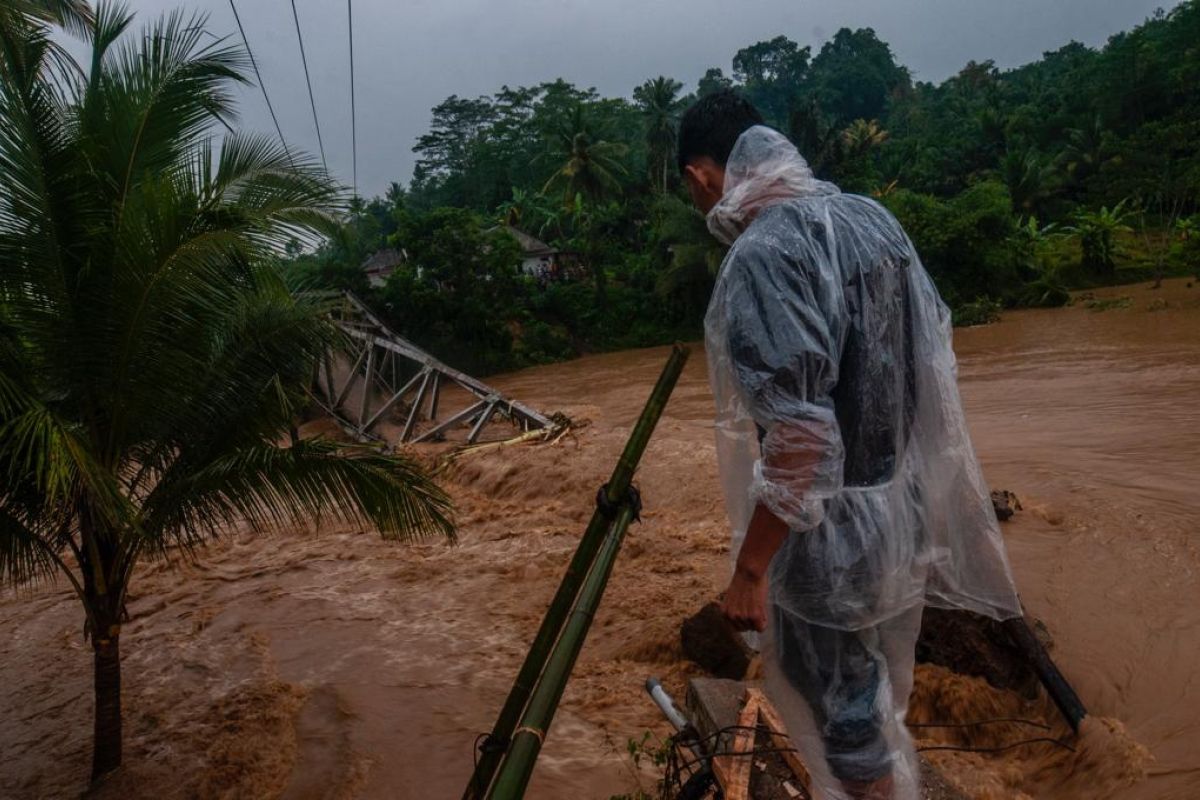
[
  {"x": 735, "y": 767},
  {"x": 780, "y": 740}
]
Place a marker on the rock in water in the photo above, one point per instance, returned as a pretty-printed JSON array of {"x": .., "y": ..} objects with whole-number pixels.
[
  {"x": 710, "y": 641},
  {"x": 1005, "y": 503}
]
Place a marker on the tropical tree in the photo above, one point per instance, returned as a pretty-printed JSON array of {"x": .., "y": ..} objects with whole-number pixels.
[
  {"x": 853, "y": 164},
  {"x": 862, "y": 136},
  {"x": 691, "y": 255},
  {"x": 152, "y": 362},
  {"x": 1029, "y": 179},
  {"x": 1097, "y": 232},
  {"x": 658, "y": 100},
  {"x": 1086, "y": 149},
  {"x": 587, "y": 166}
]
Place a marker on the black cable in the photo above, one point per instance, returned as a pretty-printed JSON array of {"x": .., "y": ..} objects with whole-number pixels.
[
  {"x": 979, "y": 723},
  {"x": 312, "y": 102},
  {"x": 1001, "y": 749},
  {"x": 676, "y": 765},
  {"x": 353, "y": 112},
  {"x": 261, "y": 85}
]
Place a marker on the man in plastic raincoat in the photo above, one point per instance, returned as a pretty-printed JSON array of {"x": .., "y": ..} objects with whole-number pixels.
[{"x": 853, "y": 492}]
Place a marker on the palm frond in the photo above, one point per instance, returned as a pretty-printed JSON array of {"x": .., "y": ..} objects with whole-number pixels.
[
  {"x": 24, "y": 556},
  {"x": 311, "y": 481},
  {"x": 155, "y": 97}
]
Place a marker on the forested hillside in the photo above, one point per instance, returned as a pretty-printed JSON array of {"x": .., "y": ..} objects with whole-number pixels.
[{"x": 1079, "y": 169}]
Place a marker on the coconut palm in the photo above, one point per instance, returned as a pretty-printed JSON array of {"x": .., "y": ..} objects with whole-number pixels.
[
  {"x": 587, "y": 166},
  {"x": 659, "y": 101},
  {"x": 693, "y": 256},
  {"x": 152, "y": 361},
  {"x": 1087, "y": 150},
  {"x": 1029, "y": 177}
]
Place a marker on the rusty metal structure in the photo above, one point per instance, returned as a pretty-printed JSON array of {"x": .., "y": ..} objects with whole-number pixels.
[{"x": 384, "y": 378}]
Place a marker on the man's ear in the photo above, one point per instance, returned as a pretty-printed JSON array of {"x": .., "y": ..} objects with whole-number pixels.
[
  {"x": 699, "y": 177},
  {"x": 705, "y": 181}
]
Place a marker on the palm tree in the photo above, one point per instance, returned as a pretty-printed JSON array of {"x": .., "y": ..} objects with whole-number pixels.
[
  {"x": 1029, "y": 178},
  {"x": 1087, "y": 150},
  {"x": 588, "y": 167},
  {"x": 861, "y": 137},
  {"x": 659, "y": 101},
  {"x": 693, "y": 256},
  {"x": 852, "y": 164},
  {"x": 152, "y": 362}
]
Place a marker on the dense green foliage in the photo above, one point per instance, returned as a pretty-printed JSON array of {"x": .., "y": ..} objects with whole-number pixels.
[
  {"x": 153, "y": 363},
  {"x": 1080, "y": 168}
]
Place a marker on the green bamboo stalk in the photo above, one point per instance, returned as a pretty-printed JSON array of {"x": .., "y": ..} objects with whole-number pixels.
[
  {"x": 527, "y": 741},
  {"x": 535, "y": 660}
]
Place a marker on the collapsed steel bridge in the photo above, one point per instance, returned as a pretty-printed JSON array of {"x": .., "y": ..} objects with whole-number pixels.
[{"x": 385, "y": 380}]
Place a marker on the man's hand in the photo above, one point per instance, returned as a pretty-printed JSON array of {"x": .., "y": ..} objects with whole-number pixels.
[{"x": 745, "y": 602}]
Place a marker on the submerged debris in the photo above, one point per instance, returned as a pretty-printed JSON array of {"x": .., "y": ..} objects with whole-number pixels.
[{"x": 1005, "y": 503}]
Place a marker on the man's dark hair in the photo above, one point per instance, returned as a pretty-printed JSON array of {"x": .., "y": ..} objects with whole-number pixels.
[{"x": 712, "y": 126}]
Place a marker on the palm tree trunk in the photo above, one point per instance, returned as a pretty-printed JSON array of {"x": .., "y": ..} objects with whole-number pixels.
[{"x": 106, "y": 734}]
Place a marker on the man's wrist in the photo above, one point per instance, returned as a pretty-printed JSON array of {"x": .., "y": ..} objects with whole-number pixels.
[{"x": 749, "y": 571}]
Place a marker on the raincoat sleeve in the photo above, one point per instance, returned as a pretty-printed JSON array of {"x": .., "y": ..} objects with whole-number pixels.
[{"x": 784, "y": 350}]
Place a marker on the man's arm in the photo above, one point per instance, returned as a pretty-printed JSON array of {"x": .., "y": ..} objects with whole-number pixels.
[{"x": 745, "y": 601}]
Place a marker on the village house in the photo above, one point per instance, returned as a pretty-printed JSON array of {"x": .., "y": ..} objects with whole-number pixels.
[{"x": 538, "y": 260}]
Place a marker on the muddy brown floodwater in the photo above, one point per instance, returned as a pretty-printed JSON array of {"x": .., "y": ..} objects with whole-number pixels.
[{"x": 328, "y": 664}]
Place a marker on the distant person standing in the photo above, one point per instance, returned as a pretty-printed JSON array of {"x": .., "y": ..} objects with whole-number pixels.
[{"x": 852, "y": 488}]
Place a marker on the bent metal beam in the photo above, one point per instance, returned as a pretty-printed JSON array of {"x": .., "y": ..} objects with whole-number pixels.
[{"x": 387, "y": 355}]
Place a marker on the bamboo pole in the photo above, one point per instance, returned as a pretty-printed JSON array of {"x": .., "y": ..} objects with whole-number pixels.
[
  {"x": 616, "y": 491},
  {"x": 527, "y": 741},
  {"x": 1060, "y": 691}
]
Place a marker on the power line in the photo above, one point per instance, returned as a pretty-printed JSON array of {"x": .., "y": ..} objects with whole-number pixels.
[
  {"x": 261, "y": 84},
  {"x": 353, "y": 113},
  {"x": 311, "y": 101}
]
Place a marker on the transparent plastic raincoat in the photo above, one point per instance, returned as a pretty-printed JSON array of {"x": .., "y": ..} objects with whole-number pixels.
[{"x": 838, "y": 409}]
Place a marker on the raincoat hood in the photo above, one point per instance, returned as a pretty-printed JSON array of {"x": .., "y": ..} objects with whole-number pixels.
[{"x": 764, "y": 169}]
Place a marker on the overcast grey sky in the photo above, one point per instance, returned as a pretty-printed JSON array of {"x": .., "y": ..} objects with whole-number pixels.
[{"x": 411, "y": 54}]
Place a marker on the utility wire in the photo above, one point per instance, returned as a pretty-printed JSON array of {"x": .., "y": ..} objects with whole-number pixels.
[
  {"x": 308, "y": 80},
  {"x": 261, "y": 84},
  {"x": 353, "y": 113}
]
